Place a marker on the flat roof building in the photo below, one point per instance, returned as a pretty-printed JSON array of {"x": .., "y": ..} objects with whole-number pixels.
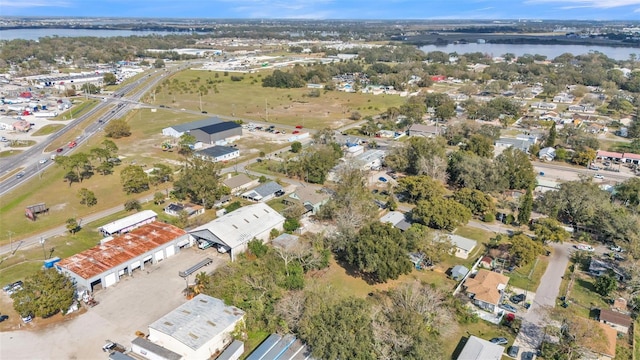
[
  {"x": 129, "y": 223},
  {"x": 198, "y": 328},
  {"x": 480, "y": 349},
  {"x": 105, "y": 264},
  {"x": 179, "y": 130}
]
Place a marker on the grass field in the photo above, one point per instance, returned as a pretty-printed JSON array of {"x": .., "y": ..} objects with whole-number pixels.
[
  {"x": 78, "y": 109},
  {"x": 528, "y": 277},
  {"x": 48, "y": 129},
  {"x": 7, "y": 153},
  {"x": 247, "y": 99},
  {"x": 23, "y": 143}
]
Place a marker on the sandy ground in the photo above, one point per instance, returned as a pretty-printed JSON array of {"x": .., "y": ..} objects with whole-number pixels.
[{"x": 129, "y": 306}]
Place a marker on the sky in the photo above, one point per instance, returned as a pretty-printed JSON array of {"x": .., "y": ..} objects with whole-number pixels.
[{"x": 331, "y": 9}]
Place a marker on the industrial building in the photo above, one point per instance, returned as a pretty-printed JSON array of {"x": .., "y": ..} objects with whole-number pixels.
[
  {"x": 234, "y": 230},
  {"x": 129, "y": 223},
  {"x": 213, "y": 134},
  {"x": 178, "y": 130},
  {"x": 197, "y": 329},
  {"x": 103, "y": 265}
]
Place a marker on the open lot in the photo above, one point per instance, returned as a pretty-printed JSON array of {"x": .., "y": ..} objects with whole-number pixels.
[
  {"x": 129, "y": 306},
  {"x": 247, "y": 99}
]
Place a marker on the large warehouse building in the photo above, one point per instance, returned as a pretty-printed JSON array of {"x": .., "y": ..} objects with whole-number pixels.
[
  {"x": 197, "y": 329},
  {"x": 104, "y": 265},
  {"x": 234, "y": 230},
  {"x": 217, "y": 132}
]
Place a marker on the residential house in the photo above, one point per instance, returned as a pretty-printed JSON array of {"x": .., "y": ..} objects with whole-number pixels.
[
  {"x": 598, "y": 268},
  {"x": 619, "y": 321},
  {"x": 239, "y": 183},
  {"x": 520, "y": 144},
  {"x": 218, "y": 153},
  {"x": 174, "y": 209},
  {"x": 371, "y": 159},
  {"x": 486, "y": 289},
  {"x": 543, "y": 105},
  {"x": 462, "y": 246},
  {"x": 486, "y": 262},
  {"x": 480, "y": 349},
  {"x": 264, "y": 192},
  {"x": 396, "y": 219},
  {"x": 547, "y": 154},
  {"x": 582, "y": 108},
  {"x": 308, "y": 197},
  {"x": 564, "y": 98},
  {"x": 428, "y": 131}
]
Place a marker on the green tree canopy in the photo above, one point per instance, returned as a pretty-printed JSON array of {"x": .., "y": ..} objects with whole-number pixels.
[
  {"x": 476, "y": 201},
  {"x": 109, "y": 79},
  {"x": 549, "y": 230},
  {"x": 441, "y": 213},
  {"x": 44, "y": 294},
  {"x": 117, "y": 129},
  {"x": 134, "y": 180},
  {"x": 516, "y": 169},
  {"x": 524, "y": 249},
  {"x": 420, "y": 188},
  {"x": 200, "y": 183},
  {"x": 379, "y": 253},
  {"x": 605, "y": 284}
]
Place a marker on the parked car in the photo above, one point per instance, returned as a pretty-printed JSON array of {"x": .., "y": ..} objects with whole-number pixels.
[
  {"x": 499, "y": 341},
  {"x": 3, "y": 317},
  {"x": 508, "y": 308},
  {"x": 527, "y": 355},
  {"x": 516, "y": 299},
  {"x": 513, "y": 351},
  {"x": 383, "y": 179},
  {"x": 584, "y": 247},
  {"x": 27, "y": 319},
  {"x": 616, "y": 248},
  {"x": 598, "y": 176},
  {"x": 113, "y": 346}
]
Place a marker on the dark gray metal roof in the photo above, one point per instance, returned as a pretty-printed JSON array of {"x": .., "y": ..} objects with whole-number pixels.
[
  {"x": 156, "y": 349},
  {"x": 197, "y": 124},
  {"x": 216, "y": 128},
  {"x": 216, "y": 151}
]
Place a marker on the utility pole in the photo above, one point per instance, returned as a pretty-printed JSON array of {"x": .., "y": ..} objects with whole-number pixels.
[
  {"x": 43, "y": 250},
  {"x": 266, "y": 110},
  {"x": 11, "y": 233}
]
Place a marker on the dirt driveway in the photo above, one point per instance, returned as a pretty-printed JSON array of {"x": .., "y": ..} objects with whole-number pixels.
[{"x": 130, "y": 305}]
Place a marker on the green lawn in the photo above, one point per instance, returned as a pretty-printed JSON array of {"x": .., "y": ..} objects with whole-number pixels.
[
  {"x": 479, "y": 235},
  {"x": 7, "y": 153},
  {"x": 528, "y": 277},
  {"x": 78, "y": 109},
  {"x": 22, "y": 143},
  {"x": 247, "y": 99},
  {"x": 636, "y": 339},
  {"x": 48, "y": 129}
]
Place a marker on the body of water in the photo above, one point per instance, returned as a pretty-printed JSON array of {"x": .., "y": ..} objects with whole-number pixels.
[
  {"x": 550, "y": 51},
  {"x": 35, "y": 34}
]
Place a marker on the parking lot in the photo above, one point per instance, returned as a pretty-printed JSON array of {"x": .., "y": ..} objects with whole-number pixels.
[{"x": 129, "y": 306}]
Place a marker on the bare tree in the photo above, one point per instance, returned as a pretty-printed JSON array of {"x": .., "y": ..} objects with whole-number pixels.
[{"x": 291, "y": 308}]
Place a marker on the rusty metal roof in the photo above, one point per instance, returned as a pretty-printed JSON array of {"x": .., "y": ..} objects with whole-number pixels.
[{"x": 121, "y": 249}]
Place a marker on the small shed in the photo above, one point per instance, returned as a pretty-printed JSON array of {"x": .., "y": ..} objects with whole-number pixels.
[
  {"x": 459, "y": 272},
  {"x": 32, "y": 211}
]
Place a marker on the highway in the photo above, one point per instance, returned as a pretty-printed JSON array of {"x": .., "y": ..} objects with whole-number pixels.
[{"x": 122, "y": 101}]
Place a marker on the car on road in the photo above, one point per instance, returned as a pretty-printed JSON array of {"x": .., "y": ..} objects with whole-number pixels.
[
  {"x": 593, "y": 167},
  {"x": 499, "y": 341},
  {"x": 298, "y": 126},
  {"x": 383, "y": 179},
  {"x": 598, "y": 176},
  {"x": 516, "y": 299},
  {"x": 508, "y": 308},
  {"x": 616, "y": 248},
  {"x": 584, "y": 247},
  {"x": 20, "y": 175},
  {"x": 42, "y": 161},
  {"x": 513, "y": 351},
  {"x": 60, "y": 150}
]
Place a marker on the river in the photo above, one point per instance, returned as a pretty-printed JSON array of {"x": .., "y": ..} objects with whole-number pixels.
[
  {"x": 550, "y": 51},
  {"x": 35, "y": 34}
]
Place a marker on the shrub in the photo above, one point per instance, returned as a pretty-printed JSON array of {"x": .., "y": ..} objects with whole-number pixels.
[{"x": 489, "y": 217}]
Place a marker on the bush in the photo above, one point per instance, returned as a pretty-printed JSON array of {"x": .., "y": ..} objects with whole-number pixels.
[
  {"x": 510, "y": 219},
  {"x": 489, "y": 217},
  {"x": 291, "y": 224},
  {"x": 257, "y": 248},
  {"x": 233, "y": 206}
]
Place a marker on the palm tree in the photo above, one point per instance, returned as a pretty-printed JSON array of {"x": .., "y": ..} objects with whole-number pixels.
[{"x": 202, "y": 282}]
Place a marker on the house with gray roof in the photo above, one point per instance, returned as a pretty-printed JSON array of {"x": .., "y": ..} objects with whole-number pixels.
[
  {"x": 520, "y": 144},
  {"x": 396, "y": 219},
  {"x": 218, "y": 153},
  {"x": 480, "y": 349},
  {"x": 264, "y": 192},
  {"x": 239, "y": 183},
  {"x": 197, "y": 329},
  {"x": 462, "y": 246}
]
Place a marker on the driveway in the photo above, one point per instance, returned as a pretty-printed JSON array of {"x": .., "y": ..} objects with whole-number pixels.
[
  {"x": 533, "y": 321},
  {"x": 129, "y": 306}
]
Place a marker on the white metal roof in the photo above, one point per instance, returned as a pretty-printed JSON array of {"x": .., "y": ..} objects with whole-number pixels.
[
  {"x": 480, "y": 349},
  {"x": 242, "y": 225},
  {"x": 463, "y": 242},
  {"x": 197, "y": 321},
  {"x": 128, "y": 221}
]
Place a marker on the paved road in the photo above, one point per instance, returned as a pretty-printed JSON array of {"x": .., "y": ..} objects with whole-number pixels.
[{"x": 535, "y": 319}]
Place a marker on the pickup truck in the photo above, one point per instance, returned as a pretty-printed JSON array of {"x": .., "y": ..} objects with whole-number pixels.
[{"x": 113, "y": 346}]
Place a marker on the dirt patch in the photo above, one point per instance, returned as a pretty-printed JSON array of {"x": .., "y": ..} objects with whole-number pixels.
[{"x": 58, "y": 207}]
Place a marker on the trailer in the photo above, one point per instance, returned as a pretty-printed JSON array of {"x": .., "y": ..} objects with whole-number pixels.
[{"x": 42, "y": 114}]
